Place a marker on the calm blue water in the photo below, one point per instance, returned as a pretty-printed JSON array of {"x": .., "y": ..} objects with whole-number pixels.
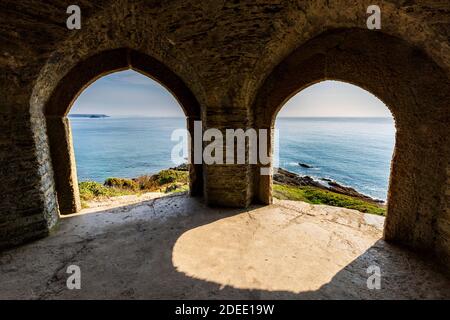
[
  {"x": 356, "y": 152},
  {"x": 353, "y": 151},
  {"x": 122, "y": 147}
]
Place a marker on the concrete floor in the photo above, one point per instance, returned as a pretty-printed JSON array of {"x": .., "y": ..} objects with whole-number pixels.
[{"x": 177, "y": 248}]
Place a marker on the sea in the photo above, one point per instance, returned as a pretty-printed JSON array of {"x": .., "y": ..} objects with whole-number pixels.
[{"x": 354, "y": 152}]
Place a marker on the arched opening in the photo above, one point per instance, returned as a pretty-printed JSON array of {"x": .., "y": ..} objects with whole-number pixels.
[
  {"x": 73, "y": 84},
  {"x": 121, "y": 129},
  {"x": 335, "y": 147},
  {"x": 398, "y": 74}
]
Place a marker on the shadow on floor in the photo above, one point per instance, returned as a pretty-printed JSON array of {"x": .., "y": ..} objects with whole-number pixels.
[{"x": 128, "y": 253}]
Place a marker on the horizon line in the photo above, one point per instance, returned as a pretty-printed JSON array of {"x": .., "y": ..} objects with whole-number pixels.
[{"x": 280, "y": 117}]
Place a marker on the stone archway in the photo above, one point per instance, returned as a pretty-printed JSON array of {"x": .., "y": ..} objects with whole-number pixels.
[
  {"x": 417, "y": 92},
  {"x": 73, "y": 83}
]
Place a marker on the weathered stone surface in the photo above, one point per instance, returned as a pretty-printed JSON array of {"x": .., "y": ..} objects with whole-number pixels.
[
  {"x": 63, "y": 161},
  {"x": 419, "y": 100},
  {"x": 231, "y": 64},
  {"x": 178, "y": 248}
]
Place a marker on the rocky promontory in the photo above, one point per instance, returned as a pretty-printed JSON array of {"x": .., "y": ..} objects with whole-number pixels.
[{"x": 285, "y": 177}]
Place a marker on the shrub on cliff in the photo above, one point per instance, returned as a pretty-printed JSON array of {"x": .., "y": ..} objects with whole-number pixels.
[
  {"x": 147, "y": 183},
  {"x": 122, "y": 183},
  {"x": 162, "y": 178},
  {"x": 169, "y": 176},
  {"x": 168, "y": 181},
  {"x": 90, "y": 190}
]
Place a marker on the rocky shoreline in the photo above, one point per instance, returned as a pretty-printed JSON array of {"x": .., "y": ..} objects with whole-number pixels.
[
  {"x": 285, "y": 177},
  {"x": 288, "y": 186}
]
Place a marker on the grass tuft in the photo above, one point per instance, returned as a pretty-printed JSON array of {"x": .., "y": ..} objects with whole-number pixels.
[
  {"x": 122, "y": 183},
  {"x": 317, "y": 196},
  {"x": 168, "y": 181}
]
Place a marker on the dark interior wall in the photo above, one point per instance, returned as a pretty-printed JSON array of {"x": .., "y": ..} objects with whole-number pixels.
[
  {"x": 417, "y": 92},
  {"x": 225, "y": 53}
]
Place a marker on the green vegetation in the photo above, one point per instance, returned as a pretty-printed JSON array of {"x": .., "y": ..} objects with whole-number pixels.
[
  {"x": 169, "y": 176},
  {"x": 174, "y": 181},
  {"x": 168, "y": 181},
  {"x": 122, "y": 183},
  {"x": 318, "y": 196},
  {"x": 90, "y": 190}
]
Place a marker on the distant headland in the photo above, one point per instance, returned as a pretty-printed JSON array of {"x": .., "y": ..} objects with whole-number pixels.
[{"x": 91, "y": 116}]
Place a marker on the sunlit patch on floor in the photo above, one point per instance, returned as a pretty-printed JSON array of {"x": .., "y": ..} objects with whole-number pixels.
[
  {"x": 298, "y": 248},
  {"x": 176, "y": 247}
]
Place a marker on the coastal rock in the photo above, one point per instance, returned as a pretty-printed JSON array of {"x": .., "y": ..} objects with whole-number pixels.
[
  {"x": 304, "y": 165},
  {"x": 336, "y": 187},
  {"x": 181, "y": 167},
  {"x": 292, "y": 179},
  {"x": 289, "y": 178}
]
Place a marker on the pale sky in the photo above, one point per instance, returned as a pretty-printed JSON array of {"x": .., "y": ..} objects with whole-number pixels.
[
  {"x": 334, "y": 99},
  {"x": 129, "y": 93}
]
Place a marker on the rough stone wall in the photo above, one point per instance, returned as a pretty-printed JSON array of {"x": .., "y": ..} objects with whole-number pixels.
[
  {"x": 63, "y": 161},
  {"x": 416, "y": 90},
  {"x": 443, "y": 223},
  {"x": 28, "y": 206},
  {"x": 224, "y": 52}
]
